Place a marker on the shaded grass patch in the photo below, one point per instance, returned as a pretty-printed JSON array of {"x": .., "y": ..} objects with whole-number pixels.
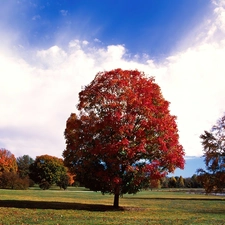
[{"x": 56, "y": 205}]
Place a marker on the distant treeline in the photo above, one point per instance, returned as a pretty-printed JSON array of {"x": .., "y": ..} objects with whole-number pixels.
[
  {"x": 45, "y": 170},
  {"x": 180, "y": 182}
]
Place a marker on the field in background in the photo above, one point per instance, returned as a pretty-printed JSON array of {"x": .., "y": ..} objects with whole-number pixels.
[{"x": 79, "y": 206}]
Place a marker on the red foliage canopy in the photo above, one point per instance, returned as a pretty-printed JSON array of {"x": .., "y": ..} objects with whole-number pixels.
[{"x": 124, "y": 134}]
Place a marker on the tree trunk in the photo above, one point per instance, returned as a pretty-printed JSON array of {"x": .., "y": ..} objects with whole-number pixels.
[
  {"x": 116, "y": 201},
  {"x": 116, "y": 197}
]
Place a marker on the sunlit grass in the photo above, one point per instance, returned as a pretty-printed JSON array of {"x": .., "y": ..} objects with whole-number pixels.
[{"x": 75, "y": 206}]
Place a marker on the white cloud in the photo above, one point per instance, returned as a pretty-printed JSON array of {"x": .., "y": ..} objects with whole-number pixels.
[
  {"x": 85, "y": 42},
  {"x": 194, "y": 83},
  {"x": 64, "y": 12},
  {"x": 53, "y": 56},
  {"x": 220, "y": 3},
  {"x": 74, "y": 43},
  {"x": 36, "y": 17},
  {"x": 97, "y": 40},
  {"x": 38, "y": 98}
]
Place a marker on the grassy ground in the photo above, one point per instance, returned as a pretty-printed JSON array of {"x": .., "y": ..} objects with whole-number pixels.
[{"x": 77, "y": 206}]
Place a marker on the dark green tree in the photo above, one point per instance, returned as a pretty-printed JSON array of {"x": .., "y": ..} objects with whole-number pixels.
[
  {"x": 213, "y": 142},
  {"x": 23, "y": 164},
  {"x": 64, "y": 181},
  {"x": 172, "y": 182},
  {"x": 46, "y": 170}
]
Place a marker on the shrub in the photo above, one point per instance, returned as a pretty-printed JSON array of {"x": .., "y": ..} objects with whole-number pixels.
[{"x": 11, "y": 180}]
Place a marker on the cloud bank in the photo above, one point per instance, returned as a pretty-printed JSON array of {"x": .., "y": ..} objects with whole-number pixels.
[{"x": 39, "y": 87}]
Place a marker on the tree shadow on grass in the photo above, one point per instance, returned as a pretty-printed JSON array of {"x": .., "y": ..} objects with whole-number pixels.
[
  {"x": 178, "y": 198},
  {"x": 57, "y": 205}
]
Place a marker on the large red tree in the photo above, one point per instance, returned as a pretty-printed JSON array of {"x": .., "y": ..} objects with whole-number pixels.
[{"x": 123, "y": 136}]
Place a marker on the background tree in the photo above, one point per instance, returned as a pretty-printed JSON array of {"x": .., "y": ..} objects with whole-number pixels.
[
  {"x": 46, "y": 170},
  {"x": 11, "y": 180},
  {"x": 164, "y": 182},
  {"x": 23, "y": 164},
  {"x": 123, "y": 136},
  {"x": 213, "y": 142},
  {"x": 155, "y": 184},
  {"x": 180, "y": 182},
  {"x": 64, "y": 181},
  {"x": 195, "y": 182},
  {"x": 7, "y": 161},
  {"x": 172, "y": 182}
]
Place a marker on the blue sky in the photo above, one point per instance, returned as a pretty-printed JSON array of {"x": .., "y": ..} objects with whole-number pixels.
[
  {"x": 152, "y": 27},
  {"x": 50, "y": 49}
]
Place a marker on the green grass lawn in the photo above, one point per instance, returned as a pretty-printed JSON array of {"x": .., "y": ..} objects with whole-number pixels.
[{"x": 78, "y": 206}]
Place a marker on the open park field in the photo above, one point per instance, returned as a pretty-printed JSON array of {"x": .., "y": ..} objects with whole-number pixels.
[{"x": 77, "y": 206}]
